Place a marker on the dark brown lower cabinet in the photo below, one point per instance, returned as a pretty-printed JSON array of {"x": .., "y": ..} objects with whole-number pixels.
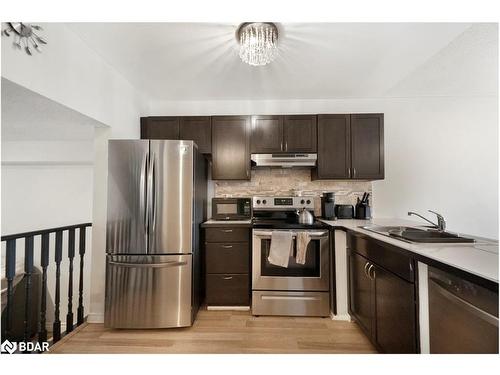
[
  {"x": 395, "y": 310},
  {"x": 228, "y": 289},
  {"x": 227, "y": 266},
  {"x": 383, "y": 304},
  {"x": 361, "y": 293}
]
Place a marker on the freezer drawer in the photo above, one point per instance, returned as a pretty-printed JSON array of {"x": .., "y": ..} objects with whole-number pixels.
[{"x": 152, "y": 291}]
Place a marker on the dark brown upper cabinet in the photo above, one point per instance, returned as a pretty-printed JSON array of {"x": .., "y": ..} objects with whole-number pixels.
[
  {"x": 199, "y": 130},
  {"x": 350, "y": 147},
  {"x": 267, "y": 134},
  {"x": 191, "y": 128},
  {"x": 299, "y": 133},
  {"x": 272, "y": 134},
  {"x": 231, "y": 147},
  {"x": 159, "y": 127},
  {"x": 367, "y": 146},
  {"x": 334, "y": 147}
]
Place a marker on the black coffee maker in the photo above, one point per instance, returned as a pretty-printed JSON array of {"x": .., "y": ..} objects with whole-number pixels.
[{"x": 328, "y": 206}]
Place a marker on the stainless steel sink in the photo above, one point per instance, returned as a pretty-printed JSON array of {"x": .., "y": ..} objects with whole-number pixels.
[{"x": 421, "y": 235}]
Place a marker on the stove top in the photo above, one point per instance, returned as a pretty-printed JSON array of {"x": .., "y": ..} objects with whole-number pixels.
[
  {"x": 281, "y": 212},
  {"x": 286, "y": 224}
]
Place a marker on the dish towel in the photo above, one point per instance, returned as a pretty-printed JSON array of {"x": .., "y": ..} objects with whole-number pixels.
[
  {"x": 303, "y": 240},
  {"x": 281, "y": 248}
]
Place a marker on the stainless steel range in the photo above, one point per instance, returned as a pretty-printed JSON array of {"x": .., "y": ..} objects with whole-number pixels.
[{"x": 300, "y": 288}]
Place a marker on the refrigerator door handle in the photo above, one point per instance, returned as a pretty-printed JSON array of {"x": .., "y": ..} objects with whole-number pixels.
[
  {"x": 154, "y": 202},
  {"x": 143, "y": 195},
  {"x": 150, "y": 193},
  {"x": 148, "y": 265}
]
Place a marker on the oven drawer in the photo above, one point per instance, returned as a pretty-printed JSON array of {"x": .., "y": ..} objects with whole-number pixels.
[
  {"x": 228, "y": 290},
  {"x": 227, "y": 257},
  {"x": 290, "y": 303},
  {"x": 227, "y": 234}
]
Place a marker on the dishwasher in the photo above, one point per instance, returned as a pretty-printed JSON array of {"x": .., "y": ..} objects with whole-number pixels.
[{"x": 463, "y": 316}]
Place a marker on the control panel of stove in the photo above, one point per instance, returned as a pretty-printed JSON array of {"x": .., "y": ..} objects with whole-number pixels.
[{"x": 282, "y": 203}]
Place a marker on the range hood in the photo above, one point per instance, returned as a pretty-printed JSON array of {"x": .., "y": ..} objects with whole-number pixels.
[{"x": 288, "y": 160}]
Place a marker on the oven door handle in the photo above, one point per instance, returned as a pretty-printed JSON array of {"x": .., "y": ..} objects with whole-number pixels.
[
  {"x": 313, "y": 235},
  {"x": 287, "y": 297}
]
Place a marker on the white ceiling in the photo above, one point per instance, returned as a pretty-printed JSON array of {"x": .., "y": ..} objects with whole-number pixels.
[
  {"x": 199, "y": 61},
  {"x": 28, "y": 116}
]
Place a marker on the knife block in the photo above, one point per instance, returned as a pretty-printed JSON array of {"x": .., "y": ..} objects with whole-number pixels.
[{"x": 363, "y": 211}]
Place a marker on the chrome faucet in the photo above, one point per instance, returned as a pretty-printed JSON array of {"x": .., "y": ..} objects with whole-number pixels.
[{"x": 441, "y": 224}]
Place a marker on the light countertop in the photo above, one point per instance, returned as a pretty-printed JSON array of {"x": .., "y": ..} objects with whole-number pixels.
[
  {"x": 479, "y": 258},
  {"x": 211, "y": 222}
]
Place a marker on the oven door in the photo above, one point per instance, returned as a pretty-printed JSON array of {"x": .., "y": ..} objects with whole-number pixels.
[{"x": 314, "y": 275}]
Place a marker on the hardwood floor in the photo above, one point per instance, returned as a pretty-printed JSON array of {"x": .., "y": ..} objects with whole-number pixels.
[{"x": 225, "y": 332}]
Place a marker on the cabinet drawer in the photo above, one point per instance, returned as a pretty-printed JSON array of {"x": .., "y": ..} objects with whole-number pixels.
[
  {"x": 227, "y": 257},
  {"x": 385, "y": 255},
  {"x": 228, "y": 290},
  {"x": 227, "y": 234}
]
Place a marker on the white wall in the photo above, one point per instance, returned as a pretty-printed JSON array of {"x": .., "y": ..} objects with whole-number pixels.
[
  {"x": 442, "y": 154},
  {"x": 47, "y": 184},
  {"x": 69, "y": 72}
]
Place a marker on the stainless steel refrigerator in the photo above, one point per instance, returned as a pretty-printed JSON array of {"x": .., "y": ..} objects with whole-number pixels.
[{"x": 156, "y": 203}]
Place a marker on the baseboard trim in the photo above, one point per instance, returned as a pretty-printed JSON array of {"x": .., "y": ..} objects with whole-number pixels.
[
  {"x": 344, "y": 317},
  {"x": 236, "y": 308},
  {"x": 95, "y": 318}
]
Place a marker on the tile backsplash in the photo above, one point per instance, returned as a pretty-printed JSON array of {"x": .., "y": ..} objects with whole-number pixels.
[{"x": 294, "y": 181}]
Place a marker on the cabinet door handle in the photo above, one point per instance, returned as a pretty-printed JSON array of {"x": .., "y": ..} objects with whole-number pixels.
[
  {"x": 349, "y": 171},
  {"x": 366, "y": 269},
  {"x": 227, "y": 246},
  {"x": 372, "y": 267},
  {"x": 353, "y": 171},
  {"x": 228, "y": 278},
  {"x": 286, "y": 145},
  {"x": 226, "y": 230},
  {"x": 281, "y": 146}
]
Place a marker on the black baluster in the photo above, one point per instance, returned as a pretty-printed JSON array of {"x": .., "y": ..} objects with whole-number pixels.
[
  {"x": 71, "y": 255},
  {"x": 57, "y": 299},
  {"x": 10, "y": 271},
  {"x": 80, "y": 286},
  {"x": 28, "y": 271},
  {"x": 44, "y": 261}
]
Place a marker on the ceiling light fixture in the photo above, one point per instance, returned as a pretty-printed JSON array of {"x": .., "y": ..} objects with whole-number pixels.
[
  {"x": 25, "y": 36},
  {"x": 258, "y": 42}
]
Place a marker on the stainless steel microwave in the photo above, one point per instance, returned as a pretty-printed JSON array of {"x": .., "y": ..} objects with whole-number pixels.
[{"x": 231, "y": 208}]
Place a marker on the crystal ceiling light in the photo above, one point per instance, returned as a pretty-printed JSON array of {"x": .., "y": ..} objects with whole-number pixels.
[{"x": 258, "y": 42}]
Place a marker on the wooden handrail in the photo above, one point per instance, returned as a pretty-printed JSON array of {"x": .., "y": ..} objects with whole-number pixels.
[{"x": 43, "y": 231}]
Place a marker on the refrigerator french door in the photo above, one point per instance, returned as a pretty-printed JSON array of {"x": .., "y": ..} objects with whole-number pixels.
[{"x": 156, "y": 196}]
